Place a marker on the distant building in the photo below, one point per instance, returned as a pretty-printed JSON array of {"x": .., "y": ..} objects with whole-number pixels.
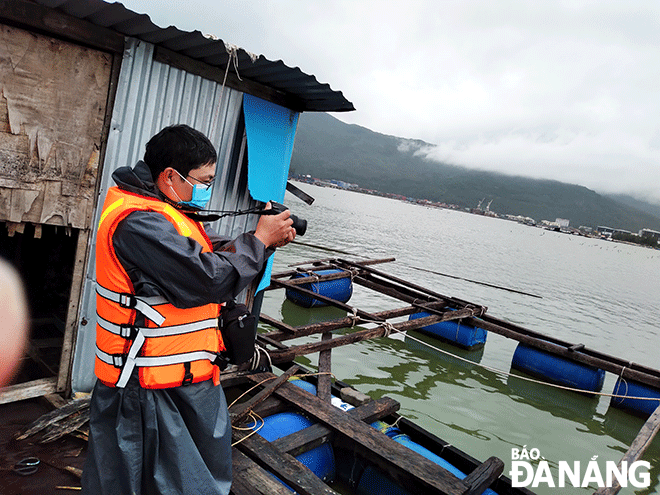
[
  {"x": 605, "y": 231},
  {"x": 562, "y": 222},
  {"x": 648, "y": 233}
]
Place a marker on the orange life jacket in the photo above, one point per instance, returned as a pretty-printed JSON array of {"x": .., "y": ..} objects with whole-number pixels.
[{"x": 175, "y": 346}]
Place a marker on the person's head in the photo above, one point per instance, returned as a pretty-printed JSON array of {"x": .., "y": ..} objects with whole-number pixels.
[{"x": 181, "y": 159}]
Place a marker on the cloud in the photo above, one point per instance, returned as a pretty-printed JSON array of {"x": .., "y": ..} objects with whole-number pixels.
[{"x": 559, "y": 89}]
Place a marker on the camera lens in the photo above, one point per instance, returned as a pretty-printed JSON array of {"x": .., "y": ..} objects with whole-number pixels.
[{"x": 300, "y": 224}]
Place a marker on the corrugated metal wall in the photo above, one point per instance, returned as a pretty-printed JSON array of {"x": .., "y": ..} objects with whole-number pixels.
[{"x": 150, "y": 96}]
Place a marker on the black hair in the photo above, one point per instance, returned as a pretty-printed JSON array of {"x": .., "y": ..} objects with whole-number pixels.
[{"x": 180, "y": 147}]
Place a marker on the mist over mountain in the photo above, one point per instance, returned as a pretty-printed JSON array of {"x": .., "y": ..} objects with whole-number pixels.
[{"x": 327, "y": 148}]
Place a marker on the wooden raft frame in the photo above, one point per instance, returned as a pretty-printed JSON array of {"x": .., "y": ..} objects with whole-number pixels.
[
  {"x": 255, "y": 457},
  {"x": 441, "y": 307}
]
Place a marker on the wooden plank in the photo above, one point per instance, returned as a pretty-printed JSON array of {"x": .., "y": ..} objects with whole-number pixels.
[
  {"x": 5, "y": 203},
  {"x": 312, "y": 279},
  {"x": 57, "y": 130},
  {"x": 65, "y": 426},
  {"x": 324, "y": 382},
  {"x": 277, "y": 324},
  {"x": 241, "y": 411},
  {"x": 51, "y": 21},
  {"x": 286, "y": 467},
  {"x": 407, "y": 467},
  {"x": 28, "y": 390},
  {"x": 284, "y": 355},
  {"x": 73, "y": 310},
  {"x": 248, "y": 478},
  {"x": 44, "y": 421},
  {"x": 484, "y": 475},
  {"x": 347, "y": 322},
  {"x": 14, "y": 152},
  {"x": 326, "y": 263},
  {"x": 22, "y": 202},
  {"x": 271, "y": 405},
  {"x": 636, "y": 450},
  {"x": 313, "y": 436}
]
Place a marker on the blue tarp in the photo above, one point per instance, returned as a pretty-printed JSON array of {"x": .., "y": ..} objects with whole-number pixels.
[{"x": 270, "y": 131}]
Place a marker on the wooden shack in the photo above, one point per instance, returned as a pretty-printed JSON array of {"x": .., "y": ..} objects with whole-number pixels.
[{"x": 83, "y": 85}]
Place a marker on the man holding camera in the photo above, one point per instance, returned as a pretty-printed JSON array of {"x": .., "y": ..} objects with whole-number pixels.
[{"x": 159, "y": 420}]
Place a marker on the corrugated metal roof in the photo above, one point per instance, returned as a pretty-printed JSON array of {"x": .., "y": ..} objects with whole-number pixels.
[{"x": 313, "y": 95}]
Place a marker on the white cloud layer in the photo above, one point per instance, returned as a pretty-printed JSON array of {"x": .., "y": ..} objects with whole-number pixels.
[{"x": 560, "y": 90}]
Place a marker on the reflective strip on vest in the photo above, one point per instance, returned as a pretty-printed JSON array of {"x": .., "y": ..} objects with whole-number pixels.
[
  {"x": 127, "y": 331},
  {"x": 118, "y": 361},
  {"x": 141, "y": 304}
]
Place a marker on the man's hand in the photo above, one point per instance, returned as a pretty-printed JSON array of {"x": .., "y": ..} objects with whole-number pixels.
[{"x": 275, "y": 230}]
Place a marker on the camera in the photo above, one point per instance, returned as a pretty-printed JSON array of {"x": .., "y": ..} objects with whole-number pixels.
[{"x": 299, "y": 224}]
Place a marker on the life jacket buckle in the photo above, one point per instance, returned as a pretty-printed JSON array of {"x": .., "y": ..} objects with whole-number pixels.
[
  {"x": 127, "y": 300},
  {"x": 128, "y": 331},
  {"x": 118, "y": 360},
  {"x": 188, "y": 376}
]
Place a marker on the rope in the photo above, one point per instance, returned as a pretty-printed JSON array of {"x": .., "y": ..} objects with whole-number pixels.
[
  {"x": 254, "y": 416},
  {"x": 622, "y": 379},
  {"x": 232, "y": 51},
  {"x": 354, "y": 317},
  {"x": 389, "y": 328},
  {"x": 256, "y": 358}
]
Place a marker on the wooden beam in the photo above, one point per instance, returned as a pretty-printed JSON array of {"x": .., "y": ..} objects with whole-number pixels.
[
  {"x": 346, "y": 322},
  {"x": 277, "y": 324},
  {"x": 284, "y": 355},
  {"x": 241, "y": 411},
  {"x": 73, "y": 311},
  {"x": 54, "y": 416},
  {"x": 248, "y": 478},
  {"x": 313, "y": 436},
  {"x": 642, "y": 441},
  {"x": 324, "y": 382},
  {"x": 28, "y": 390},
  {"x": 51, "y": 21},
  {"x": 484, "y": 475},
  {"x": 286, "y": 467},
  {"x": 312, "y": 279}
]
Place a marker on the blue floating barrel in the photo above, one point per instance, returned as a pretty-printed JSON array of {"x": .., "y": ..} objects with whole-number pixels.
[
  {"x": 340, "y": 289},
  {"x": 556, "y": 369},
  {"x": 320, "y": 460},
  {"x": 633, "y": 389},
  {"x": 454, "y": 332},
  {"x": 372, "y": 482}
]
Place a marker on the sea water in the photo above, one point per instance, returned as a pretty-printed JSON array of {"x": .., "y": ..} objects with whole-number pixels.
[{"x": 591, "y": 291}]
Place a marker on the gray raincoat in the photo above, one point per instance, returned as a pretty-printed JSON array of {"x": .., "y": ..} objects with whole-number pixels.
[{"x": 175, "y": 440}]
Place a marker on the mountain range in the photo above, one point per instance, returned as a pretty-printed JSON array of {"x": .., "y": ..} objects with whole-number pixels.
[{"x": 327, "y": 148}]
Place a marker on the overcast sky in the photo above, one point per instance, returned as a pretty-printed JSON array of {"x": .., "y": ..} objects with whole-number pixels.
[{"x": 566, "y": 90}]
